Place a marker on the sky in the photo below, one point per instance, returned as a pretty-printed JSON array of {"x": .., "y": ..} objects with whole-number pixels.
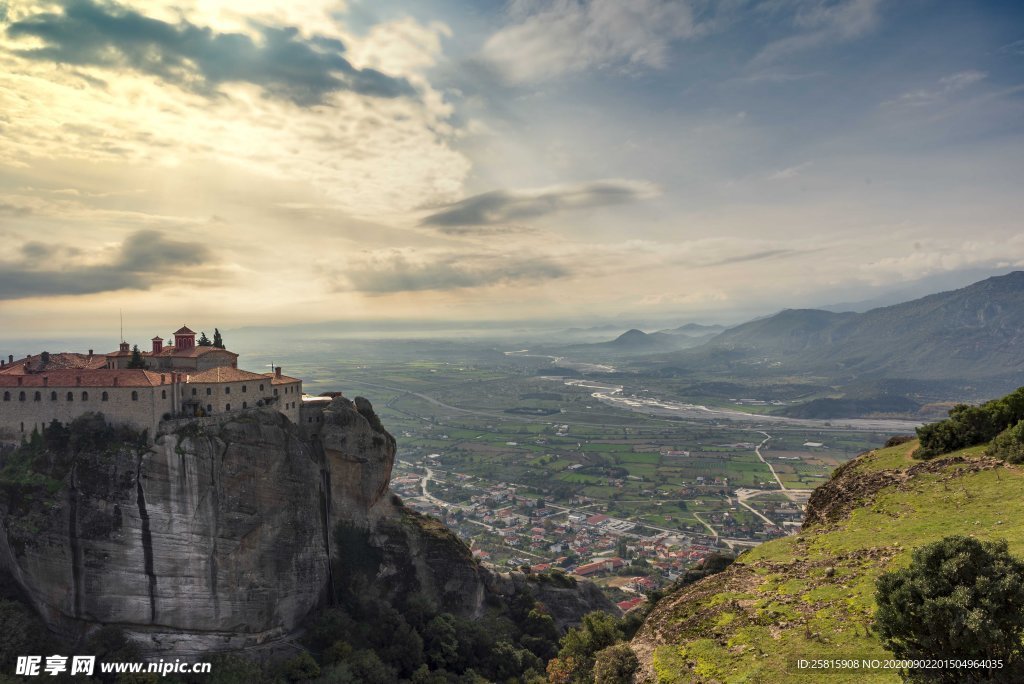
[{"x": 230, "y": 163}]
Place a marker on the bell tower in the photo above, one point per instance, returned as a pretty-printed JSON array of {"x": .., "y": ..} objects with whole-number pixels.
[{"x": 184, "y": 338}]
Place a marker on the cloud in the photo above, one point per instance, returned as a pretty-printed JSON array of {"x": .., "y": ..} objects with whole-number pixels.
[
  {"x": 946, "y": 86},
  {"x": 145, "y": 258},
  {"x": 551, "y": 38},
  {"x": 820, "y": 23},
  {"x": 789, "y": 172},
  {"x": 281, "y": 62},
  {"x": 14, "y": 210},
  {"x": 501, "y": 207},
  {"x": 393, "y": 271}
]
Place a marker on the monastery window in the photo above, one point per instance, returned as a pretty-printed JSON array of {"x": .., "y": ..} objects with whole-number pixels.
[
  {"x": 53, "y": 396},
  {"x": 261, "y": 388},
  {"x": 194, "y": 391},
  {"x": 7, "y": 396},
  {"x": 244, "y": 388},
  {"x": 85, "y": 396},
  {"x": 275, "y": 391},
  {"x": 209, "y": 408},
  {"x": 21, "y": 396},
  {"x": 39, "y": 396},
  {"x": 227, "y": 390},
  {"x": 104, "y": 397},
  {"x": 71, "y": 396},
  {"x": 163, "y": 394},
  {"x": 227, "y": 407},
  {"x": 209, "y": 391},
  {"x": 245, "y": 404},
  {"x": 135, "y": 395}
]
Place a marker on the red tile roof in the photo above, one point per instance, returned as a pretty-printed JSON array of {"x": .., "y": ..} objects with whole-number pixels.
[
  {"x": 63, "y": 379},
  {"x": 225, "y": 374},
  {"x": 58, "y": 361},
  {"x": 184, "y": 331}
]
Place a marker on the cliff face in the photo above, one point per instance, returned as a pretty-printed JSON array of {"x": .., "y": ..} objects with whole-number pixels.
[{"x": 225, "y": 532}]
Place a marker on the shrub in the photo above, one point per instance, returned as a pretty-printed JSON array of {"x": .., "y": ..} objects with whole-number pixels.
[
  {"x": 1009, "y": 444},
  {"x": 615, "y": 665},
  {"x": 959, "y": 598},
  {"x": 970, "y": 425}
]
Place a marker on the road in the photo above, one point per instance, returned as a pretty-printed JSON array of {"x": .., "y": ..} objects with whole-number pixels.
[{"x": 757, "y": 450}]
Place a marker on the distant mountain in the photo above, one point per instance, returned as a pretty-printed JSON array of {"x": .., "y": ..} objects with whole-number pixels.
[
  {"x": 972, "y": 333},
  {"x": 638, "y": 340},
  {"x": 695, "y": 330}
]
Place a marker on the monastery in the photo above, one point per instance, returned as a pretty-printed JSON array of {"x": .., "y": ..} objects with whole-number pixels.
[{"x": 183, "y": 380}]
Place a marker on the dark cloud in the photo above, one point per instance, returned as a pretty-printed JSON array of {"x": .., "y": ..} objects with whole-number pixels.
[
  {"x": 500, "y": 207},
  {"x": 757, "y": 256},
  {"x": 146, "y": 258},
  {"x": 282, "y": 63},
  {"x": 395, "y": 273},
  {"x": 14, "y": 210}
]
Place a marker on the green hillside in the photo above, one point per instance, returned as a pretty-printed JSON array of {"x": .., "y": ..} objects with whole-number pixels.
[{"x": 811, "y": 596}]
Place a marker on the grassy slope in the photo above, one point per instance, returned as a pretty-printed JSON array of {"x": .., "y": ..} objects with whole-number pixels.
[{"x": 812, "y": 595}]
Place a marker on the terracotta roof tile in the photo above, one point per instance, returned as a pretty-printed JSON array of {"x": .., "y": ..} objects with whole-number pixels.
[
  {"x": 63, "y": 379},
  {"x": 184, "y": 331},
  {"x": 58, "y": 361},
  {"x": 225, "y": 374}
]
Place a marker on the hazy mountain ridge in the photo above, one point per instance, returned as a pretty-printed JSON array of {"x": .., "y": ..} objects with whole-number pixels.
[{"x": 971, "y": 332}]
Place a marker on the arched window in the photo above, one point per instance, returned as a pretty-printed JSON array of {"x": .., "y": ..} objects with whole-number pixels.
[
  {"x": 85, "y": 396},
  {"x": 209, "y": 391},
  {"x": 135, "y": 395},
  {"x": 39, "y": 396},
  {"x": 104, "y": 397},
  {"x": 261, "y": 388},
  {"x": 21, "y": 396},
  {"x": 227, "y": 407},
  {"x": 53, "y": 396},
  {"x": 71, "y": 396},
  {"x": 245, "y": 404}
]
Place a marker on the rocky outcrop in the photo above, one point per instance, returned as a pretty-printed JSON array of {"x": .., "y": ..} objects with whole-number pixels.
[
  {"x": 226, "y": 532},
  {"x": 210, "y": 538}
]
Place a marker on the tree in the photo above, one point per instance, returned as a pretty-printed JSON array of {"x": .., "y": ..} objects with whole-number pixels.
[
  {"x": 597, "y": 631},
  {"x": 218, "y": 341},
  {"x": 204, "y": 341},
  {"x": 615, "y": 665},
  {"x": 136, "y": 360},
  {"x": 959, "y": 598}
]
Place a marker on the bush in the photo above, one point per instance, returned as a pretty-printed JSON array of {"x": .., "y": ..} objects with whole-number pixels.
[
  {"x": 1009, "y": 444},
  {"x": 615, "y": 665},
  {"x": 970, "y": 425},
  {"x": 959, "y": 598}
]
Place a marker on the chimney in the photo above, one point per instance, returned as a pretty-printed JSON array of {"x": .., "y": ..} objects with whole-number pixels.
[
  {"x": 10, "y": 358},
  {"x": 90, "y": 353},
  {"x": 277, "y": 372}
]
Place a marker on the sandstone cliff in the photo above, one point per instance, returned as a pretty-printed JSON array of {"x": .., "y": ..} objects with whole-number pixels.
[{"x": 224, "y": 533}]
